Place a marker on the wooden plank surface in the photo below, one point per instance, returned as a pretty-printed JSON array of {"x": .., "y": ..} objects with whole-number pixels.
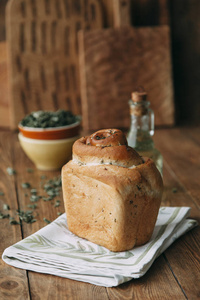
[
  {"x": 181, "y": 180},
  {"x": 184, "y": 161},
  {"x": 151, "y": 285},
  {"x": 43, "y": 53},
  {"x": 41, "y": 286},
  {"x": 4, "y": 90},
  {"x": 173, "y": 275},
  {"x": 13, "y": 282},
  {"x": 114, "y": 62}
]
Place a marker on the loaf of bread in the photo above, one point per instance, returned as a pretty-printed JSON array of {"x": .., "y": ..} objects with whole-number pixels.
[{"x": 111, "y": 194}]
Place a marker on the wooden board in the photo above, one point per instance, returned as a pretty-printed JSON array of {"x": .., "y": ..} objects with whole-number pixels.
[
  {"x": 141, "y": 12},
  {"x": 43, "y": 53},
  {"x": 113, "y": 62},
  {"x": 121, "y": 13}
]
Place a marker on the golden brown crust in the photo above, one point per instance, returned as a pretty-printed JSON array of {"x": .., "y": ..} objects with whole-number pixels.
[
  {"x": 107, "y": 138},
  {"x": 108, "y": 151},
  {"x": 111, "y": 205}
]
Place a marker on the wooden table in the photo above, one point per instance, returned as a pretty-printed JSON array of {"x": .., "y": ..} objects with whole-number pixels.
[{"x": 174, "y": 275}]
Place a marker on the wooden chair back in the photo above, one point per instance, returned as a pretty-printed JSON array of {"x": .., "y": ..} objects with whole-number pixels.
[{"x": 43, "y": 53}]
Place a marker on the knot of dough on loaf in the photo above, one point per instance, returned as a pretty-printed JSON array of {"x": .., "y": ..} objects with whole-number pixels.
[
  {"x": 107, "y": 138},
  {"x": 107, "y": 146}
]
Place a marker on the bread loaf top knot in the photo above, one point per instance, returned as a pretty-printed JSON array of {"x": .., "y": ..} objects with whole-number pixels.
[
  {"x": 107, "y": 146},
  {"x": 107, "y": 138}
]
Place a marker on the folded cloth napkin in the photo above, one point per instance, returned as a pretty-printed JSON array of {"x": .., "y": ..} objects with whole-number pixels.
[{"x": 55, "y": 250}]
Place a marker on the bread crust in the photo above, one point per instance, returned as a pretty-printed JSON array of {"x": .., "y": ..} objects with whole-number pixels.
[
  {"x": 113, "y": 205},
  {"x": 117, "y": 154}
]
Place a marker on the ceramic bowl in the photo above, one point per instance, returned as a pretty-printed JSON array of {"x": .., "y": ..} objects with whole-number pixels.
[{"x": 49, "y": 148}]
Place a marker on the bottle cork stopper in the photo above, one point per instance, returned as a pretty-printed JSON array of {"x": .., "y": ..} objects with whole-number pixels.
[{"x": 138, "y": 96}]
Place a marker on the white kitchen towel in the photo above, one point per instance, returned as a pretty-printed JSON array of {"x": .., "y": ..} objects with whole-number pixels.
[{"x": 55, "y": 250}]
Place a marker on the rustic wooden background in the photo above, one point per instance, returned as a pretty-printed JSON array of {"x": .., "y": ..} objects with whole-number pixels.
[
  {"x": 113, "y": 62},
  {"x": 184, "y": 21}
]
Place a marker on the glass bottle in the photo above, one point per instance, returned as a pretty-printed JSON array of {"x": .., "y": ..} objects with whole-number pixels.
[{"x": 142, "y": 128}]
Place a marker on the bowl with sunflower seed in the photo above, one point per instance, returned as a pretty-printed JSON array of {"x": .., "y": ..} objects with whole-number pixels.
[{"x": 47, "y": 137}]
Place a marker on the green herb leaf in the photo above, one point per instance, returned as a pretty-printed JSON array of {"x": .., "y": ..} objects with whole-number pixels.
[
  {"x": 138, "y": 187},
  {"x": 4, "y": 216},
  {"x": 26, "y": 216},
  {"x": 47, "y": 198},
  {"x": 52, "y": 187},
  {"x": 45, "y": 119},
  {"x": 14, "y": 222},
  {"x": 57, "y": 203},
  {"x": 6, "y": 207},
  {"x": 26, "y": 185},
  {"x": 34, "y": 198},
  {"x": 47, "y": 221},
  {"x": 33, "y": 206},
  {"x": 11, "y": 171},
  {"x": 59, "y": 213},
  {"x": 33, "y": 191}
]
